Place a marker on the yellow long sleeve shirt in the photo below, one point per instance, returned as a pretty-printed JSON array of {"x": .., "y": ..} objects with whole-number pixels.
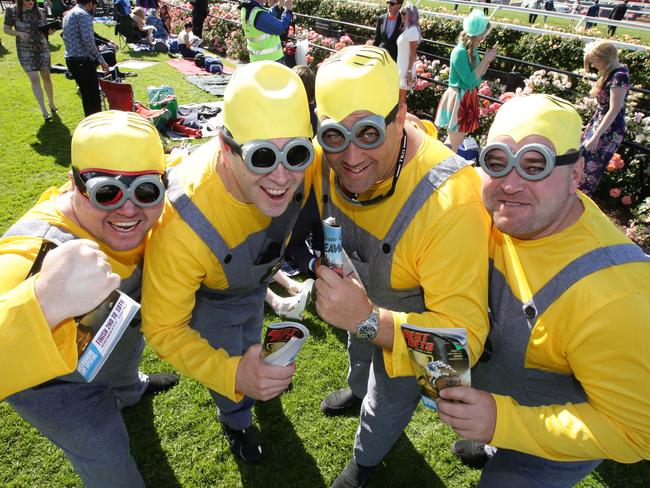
[
  {"x": 443, "y": 250},
  {"x": 598, "y": 330},
  {"x": 31, "y": 353},
  {"x": 178, "y": 262}
]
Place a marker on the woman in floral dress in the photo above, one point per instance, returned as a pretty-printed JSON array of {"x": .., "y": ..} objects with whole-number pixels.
[
  {"x": 23, "y": 21},
  {"x": 606, "y": 129}
]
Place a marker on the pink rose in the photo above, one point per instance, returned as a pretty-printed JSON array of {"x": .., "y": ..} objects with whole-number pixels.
[
  {"x": 494, "y": 107},
  {"x": 626, "y": 200},
  {"x": 615, "y": 192},
  {"x": 484, "y": 89}
]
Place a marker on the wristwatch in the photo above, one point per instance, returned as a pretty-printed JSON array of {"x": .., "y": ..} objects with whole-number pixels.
[{"x": 367, "y": 330}]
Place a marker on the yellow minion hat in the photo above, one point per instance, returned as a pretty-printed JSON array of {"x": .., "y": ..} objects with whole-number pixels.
[
  {"x": 117, "y": 141},
  {"x": 543, "y": 115},
  {"x": 266, "y": 100},
  {"x": 357, "y": 78}
]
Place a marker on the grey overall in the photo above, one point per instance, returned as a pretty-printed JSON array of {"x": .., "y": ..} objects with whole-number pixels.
[
  {"x": 231, "y": 319},
  {"x": 84, "y": 419},
  {"x": 388, "y": 403},
  {"x": 502, "y": 369}
]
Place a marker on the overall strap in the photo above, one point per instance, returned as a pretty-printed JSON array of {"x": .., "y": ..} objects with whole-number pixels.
[
  {"x": 193, "y": 216},
  {"x": 425, "y": 188},
  {"x": 40, "y": 228},
  {"x": 579, "y": 268}
]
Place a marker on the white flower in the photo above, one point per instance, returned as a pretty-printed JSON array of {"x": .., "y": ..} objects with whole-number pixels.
[{"x": 639, "y": 138}]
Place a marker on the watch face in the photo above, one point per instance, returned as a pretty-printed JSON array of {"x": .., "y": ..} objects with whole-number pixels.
[{"x": 367, "y": 331}]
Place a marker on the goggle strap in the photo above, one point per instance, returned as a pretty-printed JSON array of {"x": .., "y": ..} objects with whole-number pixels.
[
  {"x": 230, "y": 141},
  {"x": 565, "y": 159},
  {"x": 391, "y": 115},
  {"x": 78, "y": 181}
]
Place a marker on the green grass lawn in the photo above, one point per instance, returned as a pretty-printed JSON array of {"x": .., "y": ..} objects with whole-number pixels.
[{"x": 175, "y": 438}]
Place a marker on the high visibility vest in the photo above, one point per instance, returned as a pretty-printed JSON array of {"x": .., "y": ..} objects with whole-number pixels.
[{"x": 261, "y": 45}]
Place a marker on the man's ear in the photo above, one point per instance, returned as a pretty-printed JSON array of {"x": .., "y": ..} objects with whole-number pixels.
[
  {"x": 226, "y": 151},
  {"x": 401, "y": 115},
  {"x": 577, "y": 172}
]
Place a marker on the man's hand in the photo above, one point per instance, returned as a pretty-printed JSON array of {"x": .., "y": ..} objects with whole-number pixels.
[
  {"x": 474, "y": 418},
  {"x": 259, "y": 380},
  {"x": 105, "y": 67},
  {"x": 341, "y": 302},
  {"x": 74, "y": 279}
]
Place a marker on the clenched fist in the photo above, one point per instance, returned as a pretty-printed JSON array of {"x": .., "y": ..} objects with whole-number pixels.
[{"x": 74, "y": 279}]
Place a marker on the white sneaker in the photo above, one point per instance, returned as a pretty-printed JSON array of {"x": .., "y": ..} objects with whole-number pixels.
[{"x": 294, "y": 307}]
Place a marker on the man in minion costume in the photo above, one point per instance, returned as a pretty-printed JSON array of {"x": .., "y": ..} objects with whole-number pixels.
[
  {"x": 564, "y": 380},
  {"x": 100, "y": 225},
  {"x": 407, "y": 207},
  {"x": 231, "y": 206}
]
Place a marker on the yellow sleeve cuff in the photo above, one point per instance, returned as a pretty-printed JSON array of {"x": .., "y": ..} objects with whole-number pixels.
[
  {"x": 30, "y": 352},
  {"x": 397, "y": 362}
]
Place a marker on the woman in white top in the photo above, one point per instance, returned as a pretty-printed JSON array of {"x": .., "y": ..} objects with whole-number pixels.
[{"x": 407, "y": 43}]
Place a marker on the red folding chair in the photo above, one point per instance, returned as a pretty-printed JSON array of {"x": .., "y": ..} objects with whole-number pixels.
[{"x": 120, "y": 97}]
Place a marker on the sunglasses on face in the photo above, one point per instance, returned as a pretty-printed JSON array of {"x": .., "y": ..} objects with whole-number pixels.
[
  {"x": 263, "y": 157},
  {"x": 367, "y": 133},
  {"x": 110, "y": 192},
  {"x": 533, "y": 162}
]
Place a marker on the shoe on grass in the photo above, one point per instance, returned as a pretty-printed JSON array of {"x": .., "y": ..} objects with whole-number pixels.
[
  {"x": 472, "y": 453},
  {"x": 353, "y": 476},
  {"x": 244, "y": 443},
  {"x": 160, "y": 382},
  {"x": 341, "y": 402}
]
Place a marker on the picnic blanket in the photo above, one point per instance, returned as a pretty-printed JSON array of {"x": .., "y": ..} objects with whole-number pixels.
[
  {"x": 213, "y": 84},
  {"x": 186, "y": 66},
  {"x": 207, "y": 116},
  {"x": 136, "y": 64}
]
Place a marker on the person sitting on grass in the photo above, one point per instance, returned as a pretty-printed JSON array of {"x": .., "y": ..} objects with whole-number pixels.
[
  {"x": 140, "y": 20},
  {"x": 187, "y": 41}
]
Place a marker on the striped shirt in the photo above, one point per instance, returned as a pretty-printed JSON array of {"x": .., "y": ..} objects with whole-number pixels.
[{"x": 78, "y": 35}]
